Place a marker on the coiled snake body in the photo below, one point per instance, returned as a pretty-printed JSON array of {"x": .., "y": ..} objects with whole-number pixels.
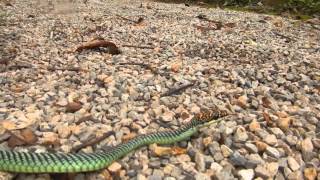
[{"x": 26, "y": 162}]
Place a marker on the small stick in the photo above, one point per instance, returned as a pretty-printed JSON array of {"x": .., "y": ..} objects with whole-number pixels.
[
  {"x": 283, "y": 36},
  {"x": 142, "y": 47},
  {"x": 76, "y": 69},
  {"x": 19, "y": 66},
  {"x": 137, "y": 22},
  {"x": 92, "y": 142},
  {"x": 177, "y": 90}
]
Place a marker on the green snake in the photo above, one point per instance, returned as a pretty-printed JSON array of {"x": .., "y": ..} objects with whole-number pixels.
[{"x": 27, "y": 162}]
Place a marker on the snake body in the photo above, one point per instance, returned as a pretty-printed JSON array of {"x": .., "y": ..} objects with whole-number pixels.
[{"x": 27, "y": 162}]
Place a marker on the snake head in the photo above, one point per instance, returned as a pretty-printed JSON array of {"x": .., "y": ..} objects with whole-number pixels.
[{"x": 209, "y": 116}]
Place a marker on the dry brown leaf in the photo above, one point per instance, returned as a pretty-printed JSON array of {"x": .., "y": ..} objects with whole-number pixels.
[
  {"x": 178, "y": 151},
  {"x": 261, "y": 146},
  {"x": 97, "y": 43},
  {"x": 310, "y": 173},
  {"x": 17, "y": 89},
  {"x": 284, "y": 123},
  {"x": 175, "y": 67},
  {"x": 266, "y": 102},
  {"x": 160, "y": 151},
  {"x": 73, "y": 107},
  {"x": 15, "y": 140},
  {"x": 28, "y": 136},
  {"x": 230, "y": 25},
  {"x": 268, "y": 119},
  {"x": 9, "y": 125}
]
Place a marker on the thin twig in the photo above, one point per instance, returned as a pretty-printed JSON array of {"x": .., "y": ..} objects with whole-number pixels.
[
  {"x": 177, "y": 90},
  {"x": 19, "y": 66},
  {"x": 283, "y": 36},
  {"x": 76, "y": 69},
  {"x": 93, "y": 142},
  {"x": 136, "y": 22},
  {"x": 135, "y": 46}
]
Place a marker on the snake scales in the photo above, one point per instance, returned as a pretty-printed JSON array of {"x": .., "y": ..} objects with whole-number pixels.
[{"x": 26, "y": 162}]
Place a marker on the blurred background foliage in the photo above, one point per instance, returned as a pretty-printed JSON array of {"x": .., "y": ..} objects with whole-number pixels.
[{"x": 297, "y": 7}]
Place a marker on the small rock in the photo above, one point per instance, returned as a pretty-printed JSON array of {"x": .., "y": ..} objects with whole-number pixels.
[
  {"x": 200, "y": 162},
  {"x": 316, "y": 142},
  {"x": 168, "y": 169},
  {"x": 169, "y": 178},
  {"x": 168, "y": 116},
  {"x": 273, "y": 152},
  {"x": 141, "y": 177},
  {"x": 306, "y": 145},
  {"x": 114, "y": 167},
  {"x": 216, "y": 167},
  {"x": 267, "y": 170},
  {"x": 242, "y": 101},
  {"x": 310, "y": 173},
  {"x": 251, "y": 147},
  {"x": 155, "y": 164},
  {"x": 255, "y": 159},
  {"x": 237, "y": 159},
  {"x": 218, "y": 156},
  {"x": 246, "y": 174},
  {"x": 297, "y": 175},
  {"x": 201, "y": 176},
  {"x": 184, "y": 158},
  {"x": 294, "y": 165},
  {"x": 254, "y": 126},
  {"x": 271, "y": 139},
  {"x": 277, "y": 131},
  {"x": 226, "y": 151},
  {"x": 158, "y": 173},
  {"x": 240, "y": 135}
]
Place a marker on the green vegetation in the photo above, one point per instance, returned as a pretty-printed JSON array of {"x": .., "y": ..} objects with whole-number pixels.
[{"x": 301, "y": 9}]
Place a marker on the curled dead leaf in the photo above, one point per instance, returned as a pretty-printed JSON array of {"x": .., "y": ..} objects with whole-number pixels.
[
  {"x": 97, "y": 43},
  {"x": 161, "y": 151},
  {"x": 178, "y": 151}
]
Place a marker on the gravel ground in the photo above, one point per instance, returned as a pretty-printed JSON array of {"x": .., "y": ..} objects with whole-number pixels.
[{"x": 264, "y": 68}]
